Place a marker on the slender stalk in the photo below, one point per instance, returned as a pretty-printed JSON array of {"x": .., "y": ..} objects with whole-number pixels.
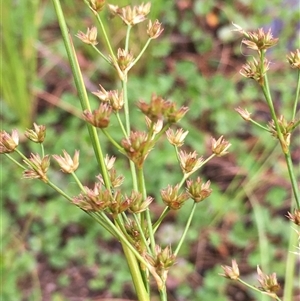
[
  {"x": 160, "y": 219},
  {"x": 293, "y": 179},
  {"x": 77, "y": 181},
  {"x": 142, "y": 189},
  {"x": 81, "y": 89},
  {"x": 113, "y": 141},
  {"x": 256, "y": 289},
  {"x": 258, "y": 125},
  {"x": 296, "y": 97},
  {"x": 290, "y": 267},
  {"x": 142, "y": 52},
  {"x": 187, "y": 226},
  {"x": 15, "y": 161},
  {"x": 163, "y": 294},
  {"x": 137, "y": 277}
]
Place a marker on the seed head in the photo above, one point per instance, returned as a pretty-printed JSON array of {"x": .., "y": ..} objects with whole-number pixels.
[
  {"x": 109, "y": 161},
  {"x": 177, "y": 138},
  {"x": 197, "y": 190},
  {"x": 37, "y": 167},
  {"x": 219, "y": 147},
  {"x": 113, "y": 97},
  {"x": 285, "y": 127},
  {"x": 154, "y": 30},
  {"x": 232, "y": 272},
  {"x": 172, "y": 114},
  {"x": 90, "y": 37},
  {"x": 189, "y": 162},
  {"x": 155, "y": 127},
  {"x": 67, "y": 164},
  {"x": 294, "y": 59},
  {"x": 295, "y": 217},
  {"x": 268, "y": 283},
  {"x": 131, "y": 15},
  {"x": 137, "y": 147},
  {"x": 254, "y": 70},
  {"x": 96, "y": 199},
  {"x": 258, "y": 40},
  {"x": 138, "y": 203},
  {"x": 8, "y": 143},
  {"x": 37, "y": 134},
  {"x": 244, "y": 113},
  {"x": 99, "y": 118},
  {"x": 160, "y": 263},
  {"x": 172, "y": 198},
  {"x": 97, "y": 5}
]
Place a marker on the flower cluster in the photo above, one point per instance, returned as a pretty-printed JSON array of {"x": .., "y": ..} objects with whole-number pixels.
[
  {"x": 131, "y": 15},
  {"x": 137, "y": 147},
  {"x": 197, "y": 190},
  {"x": 259, "y": 40},
  {"x": 8, "y": 143},
  {"x": 159, "y": 108},
  {"x": 160, "y": 263},
  {"x": 173, "y": 198}
]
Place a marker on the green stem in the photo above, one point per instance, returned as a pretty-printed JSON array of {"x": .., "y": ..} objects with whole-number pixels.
[
  {"x": 142, "y": 52},
  {"x": 59, "y": 190},
  {"x": 258, "y": 125},
  {"x": 160, "y": 219},
  {"x": 127, "y": 37},
  {"x": 101, "y": 54},
  {"x": 136, "y": 275},
  {"x": 15, "y": 161},
  {"x": 105, "y": 37},
  {"x": 121, "y": 125},
  {"x": 254, "y": 288},
  {"x": 296, "y": 97},
  {"x": 142, "y": 189},
  {"x": 290, "y": 267},
  {"x": 113, "y": 141},
  {"x": 163, "y": 294},
  {"x": 293, "y": 179},
  {"x": 78, "y": 181},
  {"x": 81, "y": 89},
  {"x": 186, "y": 229}
]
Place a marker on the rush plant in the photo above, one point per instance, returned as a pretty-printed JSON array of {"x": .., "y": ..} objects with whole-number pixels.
[
  {"x": 283, "y": 130},
  {"x": 126, "y": 215}
]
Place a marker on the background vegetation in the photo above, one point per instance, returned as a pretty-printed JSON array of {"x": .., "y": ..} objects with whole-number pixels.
[{"x": 52, "y": 250}]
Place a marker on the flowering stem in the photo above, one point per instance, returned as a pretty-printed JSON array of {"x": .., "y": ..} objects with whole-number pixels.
[
  {"x": 105, "y": 36},
  {"x": 163, "y": 293},
  {"x": 141, "y": 232},
  {"x": 290, "y": 267},
  {"x": 296, "y": 97},
  {"x": 258, "y": 125},
  {"x": 121, "y": 124},
  {"x": 142, "y": 189},
  {"x": 77, "y": 181},
  {"x": 43, "y": 151},
  {"x": 256, "y": 289},
  {"x": 127, "y": 126},
  {"x": 142, "y": 52},
  {"x": 161, "y": 218},
  {"x": 81, "y": 89},
  {"x": 59, "y": 190},
  {"x": 15, "y": 161},
  {"x": 293, "y": 179},
  {"x": 186, "y": 229},
  {"x": 101, "y": 54},
  {"x": 127, "y": 38},
  {"x": 111, "y": 139}
]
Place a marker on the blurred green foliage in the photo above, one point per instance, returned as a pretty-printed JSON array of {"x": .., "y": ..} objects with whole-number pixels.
[{"x": 40, "y": 229}]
